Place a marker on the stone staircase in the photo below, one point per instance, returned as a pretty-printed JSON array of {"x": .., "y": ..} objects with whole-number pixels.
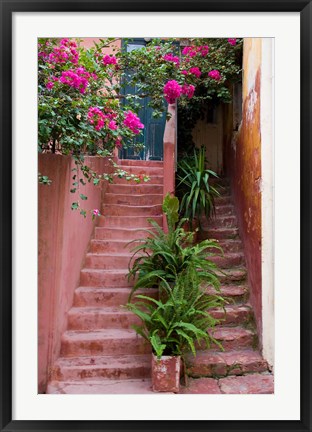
[{"x": 100, "y": 353}]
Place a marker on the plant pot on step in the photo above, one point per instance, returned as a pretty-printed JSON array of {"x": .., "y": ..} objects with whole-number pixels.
[{"x": 166, "y": 373}]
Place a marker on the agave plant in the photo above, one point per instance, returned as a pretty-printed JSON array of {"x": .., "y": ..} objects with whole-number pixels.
[
  {"x": 179, "y": 318},
  {"x": 195, "y": 189},
  {"x": 163, "y": 256}
]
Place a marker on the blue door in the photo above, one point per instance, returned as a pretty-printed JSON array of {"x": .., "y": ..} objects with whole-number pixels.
[{"x": 151, "y": 140}]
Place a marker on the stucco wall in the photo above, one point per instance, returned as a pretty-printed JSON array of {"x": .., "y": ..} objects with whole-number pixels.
[
  {"x": 63, "y": 238},
  {"x": 243, "y": 163}
]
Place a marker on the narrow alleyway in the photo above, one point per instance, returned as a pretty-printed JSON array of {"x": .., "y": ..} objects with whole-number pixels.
[{"x": 100, "y": 352}]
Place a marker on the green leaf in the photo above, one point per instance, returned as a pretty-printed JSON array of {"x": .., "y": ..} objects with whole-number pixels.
[
  {"x": 74, "y": 206},
  {"x": 83, "y": 197}
]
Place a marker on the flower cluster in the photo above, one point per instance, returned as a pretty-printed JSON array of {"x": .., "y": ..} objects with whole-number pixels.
[
  {"x": 109, "y": 60},
  {"x": 214, "y": 74},
  {"x": 76, "y": 79},
  {"x": 100, "y": 119},
  {"x": 172, "y": 90},
  {"x": 133, "y": 122},
  {"x": 232, "y": 41},
  {"x": 192, "y": 51},
  {"x": 188, "y": 90},
  {"x": 96, "y": 117},
  {"x": 195, "y": 71},
  {"x": 171, "y": 58},
  {"x": 65, "y": 52}
]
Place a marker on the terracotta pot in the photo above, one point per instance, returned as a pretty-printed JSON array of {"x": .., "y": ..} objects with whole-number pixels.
[{"x": 166, "y": 373}]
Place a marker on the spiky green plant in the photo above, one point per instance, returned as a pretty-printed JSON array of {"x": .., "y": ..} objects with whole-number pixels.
[
  {"x": 179, "y": 320},
  {"x": 163, "y": 256},
  {"x": 195, "y": 189}
]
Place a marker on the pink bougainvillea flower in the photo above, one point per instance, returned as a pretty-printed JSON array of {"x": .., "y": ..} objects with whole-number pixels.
[
  {"x": 184, "y": 72},
  {"x": 74, "y": 80},
  {"x": 112, "y": 125},
  {"x": 172, "y": 90},
  {"x": 214, "y": 74},
  {"x": 171, "y": 58},
  {"x": 232, "y": 41},
  {"x": 96, "y": 117},
  {"x": 203, "y": 50},
  {"x": 50, "y": 85},
  {"x": 109, "y": 60},
  {"x": 190, "y": 51},
  {"x": 195, "y": 71},
  {"x": 66, "y": 51},
  {"x": 188, "y": 90},
  {"x": 133, "y": 122},
  {"x": 96, "y": 212}
]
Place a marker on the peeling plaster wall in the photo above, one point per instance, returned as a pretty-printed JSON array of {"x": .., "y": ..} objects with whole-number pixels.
[
  {"x": 63, "y": 239},
  {"x": 243, "y": 164}
]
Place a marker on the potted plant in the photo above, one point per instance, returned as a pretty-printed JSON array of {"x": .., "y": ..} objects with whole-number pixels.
[
  {"x": 179, "y": 318},
  {"x": 197, "y": 194},
  {"x": 176, "y": 322}
]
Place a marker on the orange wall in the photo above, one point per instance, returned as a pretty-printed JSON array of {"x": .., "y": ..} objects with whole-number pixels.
[
  {"x": 63, "y": 236},
  {"x": 243, "y": 163}
]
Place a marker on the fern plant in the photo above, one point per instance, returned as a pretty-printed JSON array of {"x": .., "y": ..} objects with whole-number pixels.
[
  {"x": 161, "y": 257},
  {"x": 179, "y": 320},
  {"x": 195, "y": 189}
]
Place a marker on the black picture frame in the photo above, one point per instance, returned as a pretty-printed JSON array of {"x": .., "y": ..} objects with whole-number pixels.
[{"x": 7, "y": 10}]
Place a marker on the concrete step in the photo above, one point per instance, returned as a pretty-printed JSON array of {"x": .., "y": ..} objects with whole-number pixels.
[
  {"x": 154, "y": 180},
  {"x": 129, "y": 221},
  {"x": 112, "y": 246},
  {"x": 228, "y": 246},
  {"x": 227, "y": 209},
  {"x": 94, "y": 318},
  {"x": 123, "y": 367},
  {"x": 132, "y": 210},
  {"x": 219, "y": 233},
  {"x": 221, "y": 221},
  {"x": 120, "y": 233},
  {"x": 128, "y": 189},
  {"x": 133, "y": 199},
  {"x": 257, "y": 383},
  {"x": 248, "y": 384},
  {"x": 228, "y": 276},
  {"x": 142, "y": 163},
  {"x": 108, "y": 261},
  {"x": 228, "y": 260},
  {"x": 234, "y": 338},
  {"x": 102, "y": 386},
  {"x": 234, "y": 294},
  {"x": 103, "y": 342},
  {"x": 221, "y": 364},
  {"x": 233, "y": 314},
  {"x": 141, "y": 169},
  {"x": 106, "y": 297},
  {"x": 105, "y": 278},
  {"x": 223, "y": 200}
]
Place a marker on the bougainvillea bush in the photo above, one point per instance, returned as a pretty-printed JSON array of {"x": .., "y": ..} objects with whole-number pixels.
[{"x": 82, "y": 105}]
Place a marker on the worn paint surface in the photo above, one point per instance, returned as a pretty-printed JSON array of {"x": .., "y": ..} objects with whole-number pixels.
[
  {"x": 63, "y": 235},
  {"x": 243, "y": 163}
]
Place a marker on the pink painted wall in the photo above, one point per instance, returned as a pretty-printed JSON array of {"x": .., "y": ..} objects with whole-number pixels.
[
  {"x": 243, "y": 165},
  {"x": 170, "y": 145},
  {"x": 63, "y": 239}
]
